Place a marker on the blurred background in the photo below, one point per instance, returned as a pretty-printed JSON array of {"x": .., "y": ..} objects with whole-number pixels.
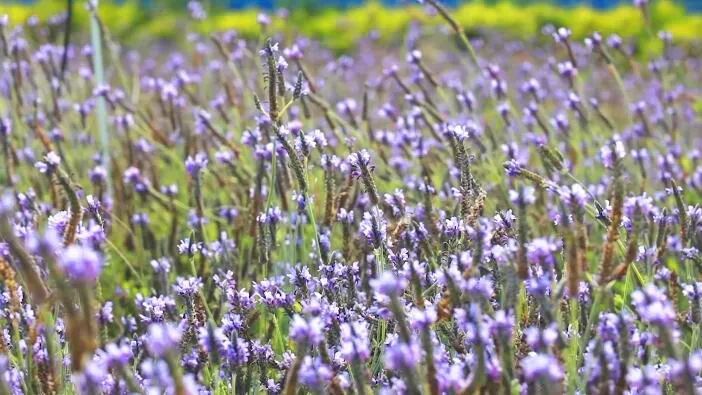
[
  {"x": 600, "y": 4},
  {"x": 341, "y": 24},
  {"x": 691, "y": 5}
]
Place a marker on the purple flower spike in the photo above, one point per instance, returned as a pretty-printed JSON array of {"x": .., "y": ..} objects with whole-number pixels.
[
  {"x": 81, "y": 264},
  {"x": 195, "y": 165},
  {"x": 162, "y": 339},
  {"x": 542, "y": 367},
  {"x": 309, "y": 332},
  {"x": 389, "y": 285}
]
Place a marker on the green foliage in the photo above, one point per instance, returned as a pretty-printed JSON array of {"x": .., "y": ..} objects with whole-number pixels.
[{"x": 341, "y": 29}]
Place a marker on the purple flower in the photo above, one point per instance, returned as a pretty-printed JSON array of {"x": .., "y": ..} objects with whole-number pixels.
[
  {"x": 373, "y": 227},
  {"x": 523, "y": 197},
  {"x": 213, "y": 340},
  {"x": 645, "y": 380},
  {"x": 187, "y": 287},
  {"x": 653, "y": 306},
  {"x": 116, "y": 355},
  {"x": 612, "y": 153},
  {"x": 196, "y": 10},
  {"x": 81, "y": 264},
  {"x": 359, "y": 161},
  {"x": 98, "y": 174},
  {"x": 639, "y": 205},
  {"x": 541, "y": 339},
  {"x": 388, "y": 285},
  {"x": 513, "y": 168},
  {"x": 161, "y": 265},
  {"x": 453, "y": 227},
  {"x": 314, "y": 373},
  {"x": 575, "y": 196},
  {"x": 543, "y": 251},
  {"x": 396, "y": 201},
  {"x": 686, "y": 370},
  {"x": 50, "y": 163},
  {"x": 422, "y": 318},
  {"x": 502, "y": 324},
  {"x": 5, "y": 126},
  {"x": 195, "y": 165},
  {"x": 541, "y": 367},
  {"x": 307, "y": 331},
  {"x": 561, "y": 34},
  {"x": 59, "y": 222},
  {"x": 354, "y": 342},
  {"x": 400, "y": 356},
  {"x": 294, "y": 52},
  {"x": 162, "y": 339},
  {"x": 105, "y": 314}
]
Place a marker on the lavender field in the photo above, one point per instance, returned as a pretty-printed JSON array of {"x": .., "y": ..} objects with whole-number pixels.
[{"x": 443, "y": 213}]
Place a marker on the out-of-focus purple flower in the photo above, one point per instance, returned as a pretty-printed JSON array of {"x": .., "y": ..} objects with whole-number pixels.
[
  {"x": 294, "y": 52},
  {"x": 422, "y": 318},
  {"x": 373, "y": 227},
  {"x": 645, "y": 380},
  {"x": 195, "y": 164},
  {"x": 49, "y": 164},
  {"x": 561, "y": 34},
  {"x": 686, "y": 370},
  {"x": 213, "y": 340},
  {"x": 162, "y": 339},
  {"x": 59, "y": 221},
  {"x": 264, "y": 20},
  {"x": 81, "y": 264},
  {"x": 537, "y": 367},
  {"x": 502, "y": 324},
  {"x": 612, "y": 152},
  {"x": 116, "y": 355},
  {"x": 575, "y": 196},
  {"x": 402, "y": 357},
  {"x": 98, "y": 174},
  {"x": 513, "y": 168},
  {"x": 608, "y": 327},
  {"x": 541, "y": 339},
  {"x": 140, "y": 219},
  {"x": 653, "y": 306},
  {"x": 389, "y": 285},
  {"x": 354, "y": 342},
  {"x": 105, "y": 314},
  {"x": 523, "y": 197},
  {"x": 639, "y": 205},
  {"x": 307, "y": 331},
  {"x": 196, "y": 10},
  {"x": 161, "y": 265},
  {"x": 543, "y": 251},
  {"x": 314, "y": 373},
  {"x": 5, "y": 126},
  {"x": 396, "y": 201}
]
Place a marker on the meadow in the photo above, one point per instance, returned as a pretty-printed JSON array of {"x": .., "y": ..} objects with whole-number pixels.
[{"x": 433, "y": 201}]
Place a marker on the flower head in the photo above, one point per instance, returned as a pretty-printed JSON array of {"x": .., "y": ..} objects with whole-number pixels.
[
  {"x": 541, "y": 366},
  {"x": 360, "y": 163},
  {"x": 307, "y": 331},
  {"x": 81, "y": 264},
  {"x": 389, "y": 285},
  {"x": 162, "y": 339},
  {"x": 195, "y": 165}
]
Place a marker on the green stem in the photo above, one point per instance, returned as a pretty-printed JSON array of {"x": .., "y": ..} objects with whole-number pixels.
[{"x": 101, "y": 109}]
